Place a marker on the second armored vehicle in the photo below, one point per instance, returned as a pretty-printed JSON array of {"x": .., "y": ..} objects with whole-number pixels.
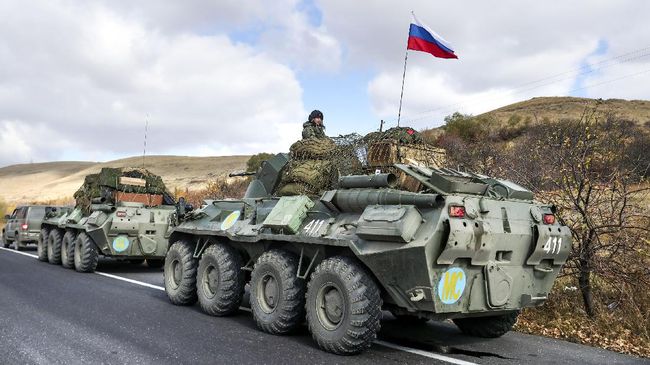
[{"x": 120, "y": 213}]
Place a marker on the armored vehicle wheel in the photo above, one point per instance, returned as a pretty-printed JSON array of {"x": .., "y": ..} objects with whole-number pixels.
[
  {"x": 155, "y": 263},
  {"x": 67, "y": 249},
  {"x": 85, "y": 254},
  {"x": 343, "y": 306},
  {"x": 489, "y": 327},
  {"x": 180, "y": 274},
  {"x": 54, "y": 247},
  {"x": 41, "y": 245},
  {"x": 219, "y": 280},
  {"x": 277, "y": 294}
]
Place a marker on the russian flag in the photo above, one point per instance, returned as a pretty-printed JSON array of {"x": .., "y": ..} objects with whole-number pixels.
[{"x": 422, "y": 38}]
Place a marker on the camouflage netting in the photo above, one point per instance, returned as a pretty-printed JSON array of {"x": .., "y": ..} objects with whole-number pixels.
[
  {"x": 316, "y": 164},
  {"x": 107, "y": 181}
]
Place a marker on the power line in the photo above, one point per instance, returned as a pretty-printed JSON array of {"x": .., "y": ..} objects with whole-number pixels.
[{"x": 570, "y": 91}]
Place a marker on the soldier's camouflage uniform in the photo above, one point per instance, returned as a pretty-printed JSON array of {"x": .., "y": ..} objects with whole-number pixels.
[{"x": 312, "y": 130}]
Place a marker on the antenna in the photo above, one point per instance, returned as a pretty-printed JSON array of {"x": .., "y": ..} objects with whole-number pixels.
[{"x": 146, "y": 127}]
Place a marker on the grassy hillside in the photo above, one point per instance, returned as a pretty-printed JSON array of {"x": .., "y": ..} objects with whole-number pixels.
[
  {"x": 553, "y": 108},
  {"x": 59, "y": 180}
]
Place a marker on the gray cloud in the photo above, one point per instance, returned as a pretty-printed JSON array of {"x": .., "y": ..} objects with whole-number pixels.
[{"x": 79, "y": 80}]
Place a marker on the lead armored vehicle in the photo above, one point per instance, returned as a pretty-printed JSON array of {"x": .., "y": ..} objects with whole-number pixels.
[
  {"x": 124, "y": 214},
  {"x": 424, "y": 243}
]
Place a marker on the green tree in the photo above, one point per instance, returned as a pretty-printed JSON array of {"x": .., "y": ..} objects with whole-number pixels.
[
  {"x": 586, "y": 168},
  {"x": 255, "y": 161}
]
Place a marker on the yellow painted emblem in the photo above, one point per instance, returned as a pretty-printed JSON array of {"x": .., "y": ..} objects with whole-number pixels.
[
  {"x": 451, "y": 285},
  {"x": 230, "y": 220},
  {"x": 120, "y": 243}
]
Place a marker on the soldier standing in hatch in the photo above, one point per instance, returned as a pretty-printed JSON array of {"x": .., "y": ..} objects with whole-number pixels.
[{"x": 313, "y": 127}]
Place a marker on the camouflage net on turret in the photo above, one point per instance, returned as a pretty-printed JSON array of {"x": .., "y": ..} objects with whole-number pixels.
[
  {"x": 316, "y": 164},
  {"x": 107, "y": 182}
]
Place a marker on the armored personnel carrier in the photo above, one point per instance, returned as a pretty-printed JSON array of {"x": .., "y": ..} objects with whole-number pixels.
[
  {"x": 431, "y": 243},
  {"x": 120, "y": 213}
]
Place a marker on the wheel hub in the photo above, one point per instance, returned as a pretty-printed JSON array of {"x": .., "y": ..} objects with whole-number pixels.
[
  {"x": 269, "y": 293},
  {"x": 177, "y": 273},
  {"x": 210, "y": 281},
  {"x": 331, "y": 306}
]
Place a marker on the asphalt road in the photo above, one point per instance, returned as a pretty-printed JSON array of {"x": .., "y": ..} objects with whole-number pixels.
[{"x": 52, "y": 315}]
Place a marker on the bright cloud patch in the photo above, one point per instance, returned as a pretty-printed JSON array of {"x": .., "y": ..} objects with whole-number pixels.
[{"x": 84, "y": 78}]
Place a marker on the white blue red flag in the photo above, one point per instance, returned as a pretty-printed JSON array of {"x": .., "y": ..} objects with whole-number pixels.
[{"x": 422, "y": 38}]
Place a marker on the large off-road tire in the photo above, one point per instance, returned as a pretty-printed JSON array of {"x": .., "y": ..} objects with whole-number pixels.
[
  {"x": 312, "y": 148},
  {"x": 343, "y": 306},
  {"x": 180, "y": 273},
  {"x": 155, "y": 263},
  {"x": 67, "y": 249},
  {"x": 277, "y": 294},
  {"x": 220, "y": 280},
  {"x": 41, "y": 244},
  {"x": 85, "y": 254},
  {"x": 489, "y": 327},
  {"x": 54, "y": 247}
]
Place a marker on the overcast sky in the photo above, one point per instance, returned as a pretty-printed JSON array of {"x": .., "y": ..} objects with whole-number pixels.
[{"x": 79, "y": 79}]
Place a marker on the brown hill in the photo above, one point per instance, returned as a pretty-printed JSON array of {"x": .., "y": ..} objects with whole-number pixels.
[
  {"x": 565, "y": 107},
  {"x": 59, "y": 180}
]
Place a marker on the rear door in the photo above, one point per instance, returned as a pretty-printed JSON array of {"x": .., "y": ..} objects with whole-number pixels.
[
  {"x": 35, "y": 217},
  {"x": 12, "y": 224}
]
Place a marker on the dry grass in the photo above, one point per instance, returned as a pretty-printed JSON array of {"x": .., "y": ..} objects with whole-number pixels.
[
  {"x": 57, "y": 181},
  {"x": 617, "y": 327},
  {"x": 555, "y": 108}
]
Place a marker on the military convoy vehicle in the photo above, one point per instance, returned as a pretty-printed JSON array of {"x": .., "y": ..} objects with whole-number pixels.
[
  {"x": 124, "y": 214},
  {"x": 23, "y": 224},
  {"x": 422, "y": 242}
]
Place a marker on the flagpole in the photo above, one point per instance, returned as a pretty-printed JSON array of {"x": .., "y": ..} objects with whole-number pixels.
[{"x": 401, "y": 95}]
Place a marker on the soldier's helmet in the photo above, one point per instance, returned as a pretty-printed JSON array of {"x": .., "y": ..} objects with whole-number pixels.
[{"x": 315, "y": 114}]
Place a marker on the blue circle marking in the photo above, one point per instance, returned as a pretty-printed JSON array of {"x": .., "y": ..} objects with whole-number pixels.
[
  {"x": 121, "y": 243},
  {"x": 452, "y": 285}
]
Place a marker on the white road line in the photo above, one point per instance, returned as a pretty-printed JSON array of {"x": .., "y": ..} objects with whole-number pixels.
[
  {"x": 19, "y": 252},
  {"x": 430, "y": 355},
  {"x": 130, "y": 280}
]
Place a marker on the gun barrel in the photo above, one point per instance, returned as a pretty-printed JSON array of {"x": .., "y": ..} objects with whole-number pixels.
[
  {"x": 368, "y": 181},
  {"x": 242, "y": 173},
  {"x": 356, "y": 200}
]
